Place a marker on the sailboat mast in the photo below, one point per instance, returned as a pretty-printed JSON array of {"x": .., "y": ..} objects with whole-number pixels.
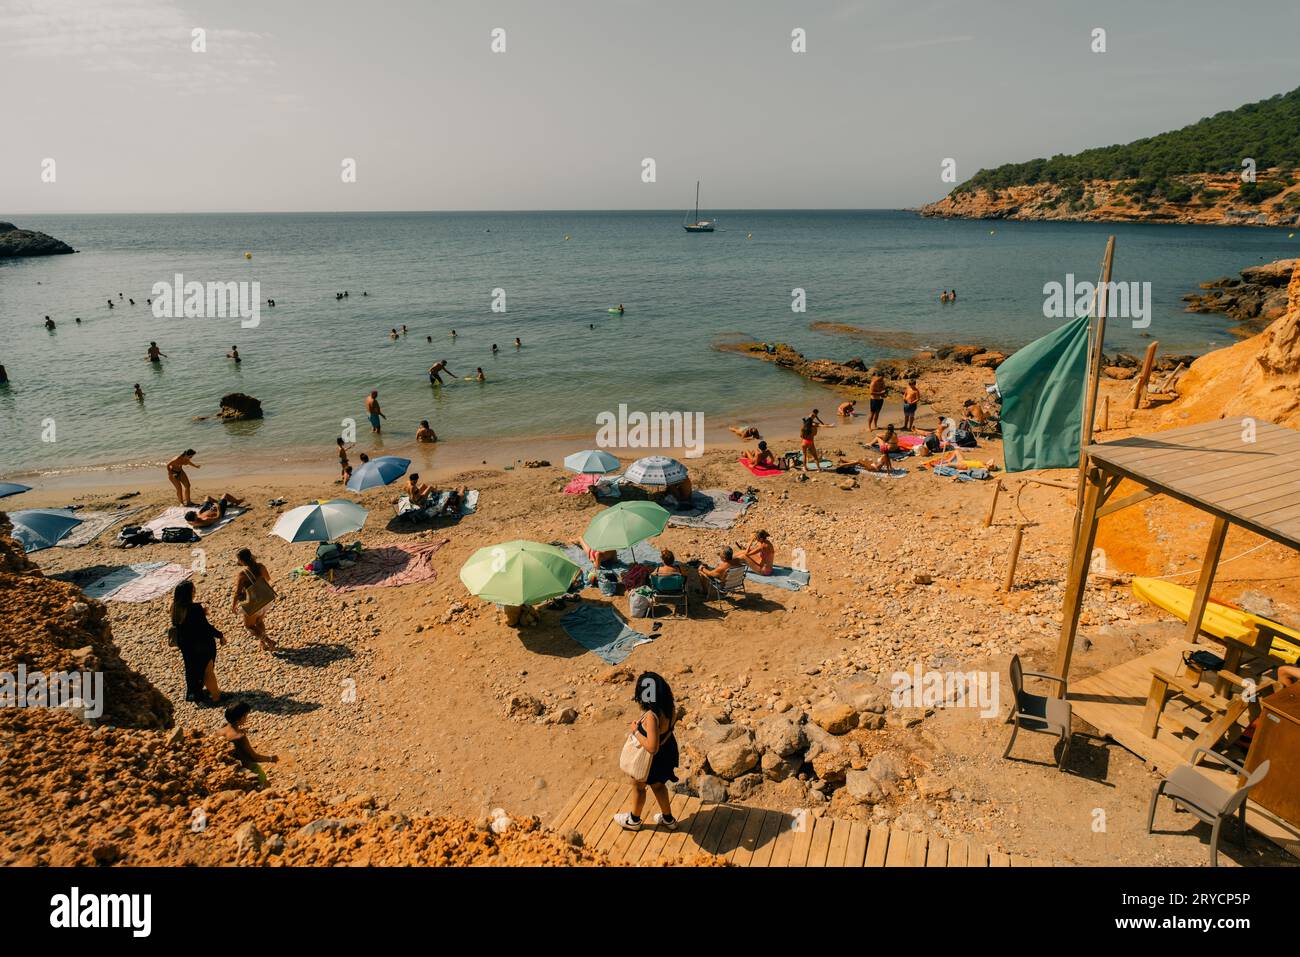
[{"x": 697, "y": 200}]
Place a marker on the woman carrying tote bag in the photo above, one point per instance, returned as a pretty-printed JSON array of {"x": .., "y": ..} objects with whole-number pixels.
[
  {"x": 650, "y": 755},
  {"x": 253, "y": 593}
]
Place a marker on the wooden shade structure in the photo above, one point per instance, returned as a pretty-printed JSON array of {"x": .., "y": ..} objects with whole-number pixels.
[{"x": 1243, "y": 472}]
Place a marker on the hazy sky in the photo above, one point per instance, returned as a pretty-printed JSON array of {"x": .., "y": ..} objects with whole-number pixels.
[{"x": 586, "y": 89}]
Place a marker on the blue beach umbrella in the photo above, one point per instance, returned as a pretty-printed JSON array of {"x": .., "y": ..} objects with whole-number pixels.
[
  {"x": 320, "y": 521},
  {"x": 384, "y": 470},
  {"x": 38, "y": 528},
  {"x": 591, "y": 462},
  {"x": 13, "y": 488}
]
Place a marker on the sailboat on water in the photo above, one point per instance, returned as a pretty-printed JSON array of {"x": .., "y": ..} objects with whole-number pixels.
[{"x": 698, "y": 225}]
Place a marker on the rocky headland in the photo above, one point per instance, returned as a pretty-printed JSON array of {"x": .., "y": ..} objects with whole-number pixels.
[{"x": 15, "y": 242}]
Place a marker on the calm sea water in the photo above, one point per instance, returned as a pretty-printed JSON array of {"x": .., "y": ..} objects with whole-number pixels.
[{"x": 313, "y": 359}]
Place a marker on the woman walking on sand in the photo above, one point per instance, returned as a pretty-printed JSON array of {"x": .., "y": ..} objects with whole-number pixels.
[
  {"x": 252, "y": 595},
  {"x": 197, "y": 640},
  {"x": 652, "y": 735},
  {"x": 180, "y": 481}
]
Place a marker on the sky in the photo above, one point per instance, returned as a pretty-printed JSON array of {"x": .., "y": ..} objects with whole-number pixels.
[{"x": 264, "y": 118}]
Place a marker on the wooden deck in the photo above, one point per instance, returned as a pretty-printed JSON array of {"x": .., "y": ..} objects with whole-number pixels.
[
  {"x": 1114, "y": 702},
  {"x": 757, "y": 837}
]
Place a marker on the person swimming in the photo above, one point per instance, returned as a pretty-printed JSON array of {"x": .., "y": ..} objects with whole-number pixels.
[
  {"x": 425, "y": 432},
  {"x": 620, "y": 309},
  {"x": 518, "y": 343},
  {"x": 49, "y": 323},
  {"x": 495, "y": 350},
  {"x": 480, "y": 377}
]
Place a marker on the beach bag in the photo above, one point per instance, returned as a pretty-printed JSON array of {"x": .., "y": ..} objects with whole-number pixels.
[
  {"x": 638, "y": 603},
  {"x": 964, "y": 438},
  {"x": 328, "y": 555},
  {"x": 608, "y": 583},
  {"x": 635, "y": 760},
  {"x": 1200, "y": 661},
  {"x": 176, "y": 535},
  {"x": 257, "y": 596}
]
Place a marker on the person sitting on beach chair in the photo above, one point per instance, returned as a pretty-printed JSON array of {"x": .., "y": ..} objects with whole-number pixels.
[
  {"x": 212, "y": 510},
  {"x": 727, "y": 561}
]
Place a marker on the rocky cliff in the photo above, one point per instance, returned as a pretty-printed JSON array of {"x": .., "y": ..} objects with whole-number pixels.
[
  {"x": 1213, "y": 199},
  {"x": 15, "y": 242},
  {"x": 1255, "y": 300}
]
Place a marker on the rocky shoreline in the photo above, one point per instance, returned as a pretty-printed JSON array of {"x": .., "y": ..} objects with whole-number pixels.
[
  {"x": 15, "y": 242},
  {"x": 1253, "y": 301},
  {"x": 1213, "y": 199}
]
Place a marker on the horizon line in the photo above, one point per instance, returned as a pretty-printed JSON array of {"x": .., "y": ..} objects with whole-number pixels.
[{"x": 367, "y": 212}]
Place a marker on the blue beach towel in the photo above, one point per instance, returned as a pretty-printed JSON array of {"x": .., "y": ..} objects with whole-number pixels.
[
  {"x": 791, "y": 579},
  {"x": 645, "y": 555},
  {"x": 600, "y": 630}
]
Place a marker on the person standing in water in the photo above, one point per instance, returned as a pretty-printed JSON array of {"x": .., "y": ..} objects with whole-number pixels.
[
  {"x": 436, "y": 370},
  {"x": 234, "y": 354},
  {"x": 139, "y": 393},
  {"x": 374, "y": 411},
  {"x": 180, "y": 481},
  {"x": 154, "y": 354}
]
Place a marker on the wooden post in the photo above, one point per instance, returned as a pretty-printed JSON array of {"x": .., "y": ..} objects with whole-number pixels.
[
  {"x": 1205, "y": 582},
  {"x": 1077, "y": 581},
  {"x": 1096, "y": 341},
  {"x": 993, "y": 504},
  {"x": 1015, "y": 557},
  {"x": 1105, "y": 414},
  {"x": 1148, "y": 363}
]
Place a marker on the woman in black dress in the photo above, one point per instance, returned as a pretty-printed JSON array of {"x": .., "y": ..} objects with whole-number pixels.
[
  {"x": 654, "y": 730},
  {"x": 197, "y": 640}
]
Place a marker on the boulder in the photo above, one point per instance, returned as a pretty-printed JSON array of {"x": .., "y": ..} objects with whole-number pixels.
[
  {"x": 885, "y": 768},
  {"x": 863, "y": 787},
  {"x": 780, "y": 736},
  {"x": 709, "y": 733},
  {"x": 861, "y": 693},
  {"x": 732, "y": 758},
  {"x": 777, "y": 768},
  {"x": 831, "y": 766},
  {"x": 237, "y": 407},
  {"x": 988, "y": 360},
  {"x": 834, "y": 716},
  {"x": 744, "y": 786},
  {"x": 712, "y": 790},
  {"x": 248, "y": 839}
]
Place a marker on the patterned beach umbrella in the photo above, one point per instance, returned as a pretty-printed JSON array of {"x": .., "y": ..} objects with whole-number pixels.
[
  {"x": 655, "y": 470},
  {"x": 518, "y": 573},
  {"x": 384, "y": 470},
  {"x": 38, "y": 528},
  {"x": 13, "y": 488},
  {"x": 591, "y": 462},
  {"x": 320, "y": 521}
]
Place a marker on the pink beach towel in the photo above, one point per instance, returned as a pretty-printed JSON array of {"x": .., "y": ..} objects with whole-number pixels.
[
  {"x": 759, "y": 471},
  {"x": 388, "y": 566},
  {"x": 581, "y": 484}
]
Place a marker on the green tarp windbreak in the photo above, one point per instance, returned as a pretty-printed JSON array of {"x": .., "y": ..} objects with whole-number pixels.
[{"x": 1042, "y": 387}]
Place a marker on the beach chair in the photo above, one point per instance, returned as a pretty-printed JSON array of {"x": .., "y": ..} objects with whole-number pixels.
[
  {"x": 733, "y": 584},
  {"x": 1038, "y": 713},
  {"x": 1190, "y": 790},
  {"x": 666, "y": 589}
]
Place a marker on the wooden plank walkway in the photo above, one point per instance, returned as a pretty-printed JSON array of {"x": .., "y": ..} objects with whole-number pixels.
[{"x": 747, "y": 836}]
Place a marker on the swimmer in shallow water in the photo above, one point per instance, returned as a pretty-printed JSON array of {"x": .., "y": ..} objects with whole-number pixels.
[
  {"x": 436, "y": 370},
  {"x": 234, "y": 354},
  {"x": 139, "y": 393},
  {"x": 480, "y": 377},
  {"x": 154, "y": 354}
]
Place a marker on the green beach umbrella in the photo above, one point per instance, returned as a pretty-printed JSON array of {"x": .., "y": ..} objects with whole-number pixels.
[
  {"x": 625, "y": 524},
  {"x": 518, "y": 573}
]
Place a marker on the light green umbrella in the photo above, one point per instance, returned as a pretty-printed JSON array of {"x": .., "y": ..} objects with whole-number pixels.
[
  {"x": 518, "y": 573},
  {"x": 625, "y": 524}
]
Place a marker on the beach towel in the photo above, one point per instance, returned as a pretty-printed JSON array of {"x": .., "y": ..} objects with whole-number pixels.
[
  {"x": 94, "y": 524},
  {"x": 468, "y": 506},
  {"x": 174, "y": 517},
  {"x": 895, "y": 472},
  {"x": 759, "y": 470},
  {"x": 143, "y": 581},
  {"x": 600, "y": 630},
  {"x": 388, "y": 566},
  {"x": 826, "y": 464},
  {"x": 791, "y": 579},
  {"x": 911, "y": 441},
  {"x": 710, "y": 509},
  {"x": 581, "y": 484},
  {"x": 623, "y": 558}
]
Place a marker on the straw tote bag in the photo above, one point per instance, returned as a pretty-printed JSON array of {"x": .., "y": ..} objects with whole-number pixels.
[
  {"x": 257, "y": 596},
  {"x": 635, "y": 760}
]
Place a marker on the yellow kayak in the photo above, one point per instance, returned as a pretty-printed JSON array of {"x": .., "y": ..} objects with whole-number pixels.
[{"x": 1221, "y": 621}]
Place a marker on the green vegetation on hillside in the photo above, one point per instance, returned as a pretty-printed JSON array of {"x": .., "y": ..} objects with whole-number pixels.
[{"x": 1268, "y": 132}]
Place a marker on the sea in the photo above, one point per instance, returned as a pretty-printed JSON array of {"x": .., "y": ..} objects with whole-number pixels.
[{"x": 835, "y": 284}]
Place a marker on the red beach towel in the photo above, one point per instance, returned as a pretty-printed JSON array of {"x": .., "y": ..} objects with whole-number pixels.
[
  {"x": 759, "y": 471},
  {"x": 387, "y": 566}
]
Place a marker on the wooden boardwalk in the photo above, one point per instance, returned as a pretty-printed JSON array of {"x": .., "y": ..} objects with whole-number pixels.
[{"x": 757, "y": 837}]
